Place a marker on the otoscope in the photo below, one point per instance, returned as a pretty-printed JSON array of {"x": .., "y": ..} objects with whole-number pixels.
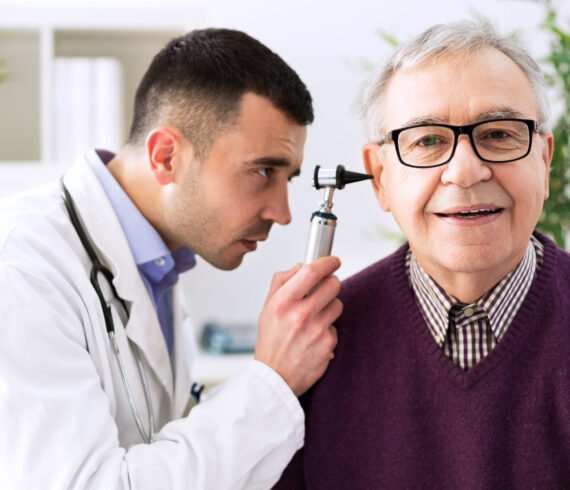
[{"x": 323, "y": 222}]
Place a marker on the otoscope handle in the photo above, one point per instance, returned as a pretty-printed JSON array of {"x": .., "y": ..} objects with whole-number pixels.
[{"x": 321, "y": 235}]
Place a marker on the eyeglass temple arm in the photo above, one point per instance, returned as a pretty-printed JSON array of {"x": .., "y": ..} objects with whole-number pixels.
[{"x": 385, "y": 139}]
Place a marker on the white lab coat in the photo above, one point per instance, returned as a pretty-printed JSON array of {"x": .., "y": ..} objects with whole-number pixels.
[{"x": 64, "y": 418}]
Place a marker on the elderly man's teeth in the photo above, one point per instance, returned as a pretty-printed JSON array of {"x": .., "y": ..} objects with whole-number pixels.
[{"x": 475, "y": 213}]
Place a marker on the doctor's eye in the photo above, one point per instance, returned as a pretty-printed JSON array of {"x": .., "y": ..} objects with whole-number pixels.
[{"x": 265, "y": 172}]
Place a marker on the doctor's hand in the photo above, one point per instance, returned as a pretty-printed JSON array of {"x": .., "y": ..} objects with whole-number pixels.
[{"x": 296, "y": 337}]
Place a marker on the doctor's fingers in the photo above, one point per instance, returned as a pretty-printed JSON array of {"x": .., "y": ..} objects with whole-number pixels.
[
  {"x": 330, "y": 314},
  {"x": 324, "y": 323},
  {"x": 327, "y": 342},
  {"x": 309, "y": 276},
  {"x": 322, "y": 294},
  {"x": 280, "y": 278},
  {"x": 319, "y": 329}
]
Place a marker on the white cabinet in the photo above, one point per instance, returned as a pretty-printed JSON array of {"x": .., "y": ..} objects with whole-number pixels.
[
  {"x": 20, "y": 112},
  {"x": 32, "y": 41}
]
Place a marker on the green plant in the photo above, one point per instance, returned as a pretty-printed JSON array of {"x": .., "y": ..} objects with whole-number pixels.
[{"x": 555, "y": 218}]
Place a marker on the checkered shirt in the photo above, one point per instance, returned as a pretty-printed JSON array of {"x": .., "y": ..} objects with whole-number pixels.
[{"x": 468, "y": 332}]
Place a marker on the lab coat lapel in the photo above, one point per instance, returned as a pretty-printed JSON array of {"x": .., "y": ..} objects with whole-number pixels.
[
  {"x": 184, "y": 352},
  {"x": 105, "y": 231},
  {"x": 143, "y": 329}
]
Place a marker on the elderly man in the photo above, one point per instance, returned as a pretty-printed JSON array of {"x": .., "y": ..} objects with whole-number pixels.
[{"x": 453, "y": 362}]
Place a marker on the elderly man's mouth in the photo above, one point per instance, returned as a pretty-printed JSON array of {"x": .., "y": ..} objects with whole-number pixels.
[{"x": 471, "y": 214}]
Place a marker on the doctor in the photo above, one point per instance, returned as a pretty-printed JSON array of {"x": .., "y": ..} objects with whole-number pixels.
[{"x": 94, "y": 351}]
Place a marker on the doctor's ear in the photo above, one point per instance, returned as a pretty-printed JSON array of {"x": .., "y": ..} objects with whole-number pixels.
[
  {"x": 163, "y": 147},
  {"x": 374, "y": 165}
]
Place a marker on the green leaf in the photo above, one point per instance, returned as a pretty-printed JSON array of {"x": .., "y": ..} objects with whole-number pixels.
[
  {"x": 387, "y": 37},
  {"x": 555, "y": 218}
]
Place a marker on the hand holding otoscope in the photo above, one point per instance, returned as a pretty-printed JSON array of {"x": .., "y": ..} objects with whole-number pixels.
[
  {"x": 296, "y": 333},
  {"x": 323, "y": 222}
]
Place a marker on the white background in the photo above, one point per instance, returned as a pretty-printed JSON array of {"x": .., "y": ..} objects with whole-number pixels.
[{"x": 326, "y": 42}]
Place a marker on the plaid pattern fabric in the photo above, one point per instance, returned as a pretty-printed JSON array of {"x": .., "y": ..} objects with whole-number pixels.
[{"x": 468, "y": 332}]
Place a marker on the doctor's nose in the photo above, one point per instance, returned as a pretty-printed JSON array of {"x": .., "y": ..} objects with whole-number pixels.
[
  {"x": 465, "y": 168},
  {"x": 277, "y": 209}
]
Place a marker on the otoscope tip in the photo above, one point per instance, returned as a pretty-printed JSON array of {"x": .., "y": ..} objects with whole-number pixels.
[{"x": 336, "y": 177}]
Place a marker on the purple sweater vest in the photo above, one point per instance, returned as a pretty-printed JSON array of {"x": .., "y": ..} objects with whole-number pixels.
[{"x": 393, "y": 412}]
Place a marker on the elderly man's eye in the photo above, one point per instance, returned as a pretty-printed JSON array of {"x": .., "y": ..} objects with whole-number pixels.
[
  {"x": 497, "y": 134},
  {"x": 429, "y": 140}
]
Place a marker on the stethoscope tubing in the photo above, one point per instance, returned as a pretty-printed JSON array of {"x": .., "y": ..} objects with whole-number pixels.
[
  {"x": 146, "y": 436},
  {"x": 98, "y": 268}
]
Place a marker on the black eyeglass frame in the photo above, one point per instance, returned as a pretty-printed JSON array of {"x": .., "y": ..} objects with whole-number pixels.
[{"x": 458, "y": 131}]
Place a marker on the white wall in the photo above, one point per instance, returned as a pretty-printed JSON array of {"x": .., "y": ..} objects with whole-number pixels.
[{"x": 325, "y": 41}]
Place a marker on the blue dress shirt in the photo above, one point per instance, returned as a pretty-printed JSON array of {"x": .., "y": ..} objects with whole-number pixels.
[{"x": 159, "y": 268}]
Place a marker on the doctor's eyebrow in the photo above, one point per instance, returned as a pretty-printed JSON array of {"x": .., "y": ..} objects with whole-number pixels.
[{"x": 275, "y": 162}]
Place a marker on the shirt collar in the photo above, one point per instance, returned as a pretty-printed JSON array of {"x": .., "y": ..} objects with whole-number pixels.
[
  {"x": 500, "y": 303},
  {"x": 144, "y": 241},
  {"x": 434, "y": 302}
]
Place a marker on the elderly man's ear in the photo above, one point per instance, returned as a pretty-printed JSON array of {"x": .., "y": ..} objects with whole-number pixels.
[
  {"x": 372, "y": 155},
  {"x": 547, "y": 153}
]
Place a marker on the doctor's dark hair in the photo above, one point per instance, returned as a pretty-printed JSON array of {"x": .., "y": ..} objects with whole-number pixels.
[{"x": 197, "y": 81}]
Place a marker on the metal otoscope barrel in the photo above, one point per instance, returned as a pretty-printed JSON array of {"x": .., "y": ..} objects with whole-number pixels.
[
  {"x": 321, "y": 235},
  {"x": 323, "y": 222}
]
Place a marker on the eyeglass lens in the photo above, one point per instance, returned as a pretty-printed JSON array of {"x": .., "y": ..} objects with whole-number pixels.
[{"x": 495, "y": 141}]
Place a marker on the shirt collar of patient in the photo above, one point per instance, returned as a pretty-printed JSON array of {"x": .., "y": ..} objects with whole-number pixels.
[
  {"x": 149, "y": 250},
  {"x": 441, "y": 305}
]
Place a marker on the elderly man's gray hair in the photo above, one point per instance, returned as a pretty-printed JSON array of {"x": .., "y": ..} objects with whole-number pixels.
[{"x": 437, "y": 42}]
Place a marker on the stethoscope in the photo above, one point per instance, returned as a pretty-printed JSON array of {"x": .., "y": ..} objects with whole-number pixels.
[{"x": 97, "y": 269}]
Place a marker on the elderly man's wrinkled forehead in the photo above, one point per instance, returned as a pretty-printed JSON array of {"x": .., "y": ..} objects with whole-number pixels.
[
  {"x": 460, "y": 40},
  {"x": 448, "y": 89},
  {"x": 459, "y": 88}
]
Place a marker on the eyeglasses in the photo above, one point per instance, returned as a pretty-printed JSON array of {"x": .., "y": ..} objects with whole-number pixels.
[{"x": 432, "y": 145}]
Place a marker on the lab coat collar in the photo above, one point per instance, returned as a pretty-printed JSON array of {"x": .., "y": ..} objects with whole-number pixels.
[{"x": 106, "y": 234}]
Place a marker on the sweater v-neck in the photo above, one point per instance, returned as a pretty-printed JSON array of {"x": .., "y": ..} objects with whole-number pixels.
[{"x": 522, "y": 325}]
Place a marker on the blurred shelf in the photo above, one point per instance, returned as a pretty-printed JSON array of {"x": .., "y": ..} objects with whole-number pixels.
[
  {"x": 211, "y": 369},
  {"x": 31, "y": 43}
]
